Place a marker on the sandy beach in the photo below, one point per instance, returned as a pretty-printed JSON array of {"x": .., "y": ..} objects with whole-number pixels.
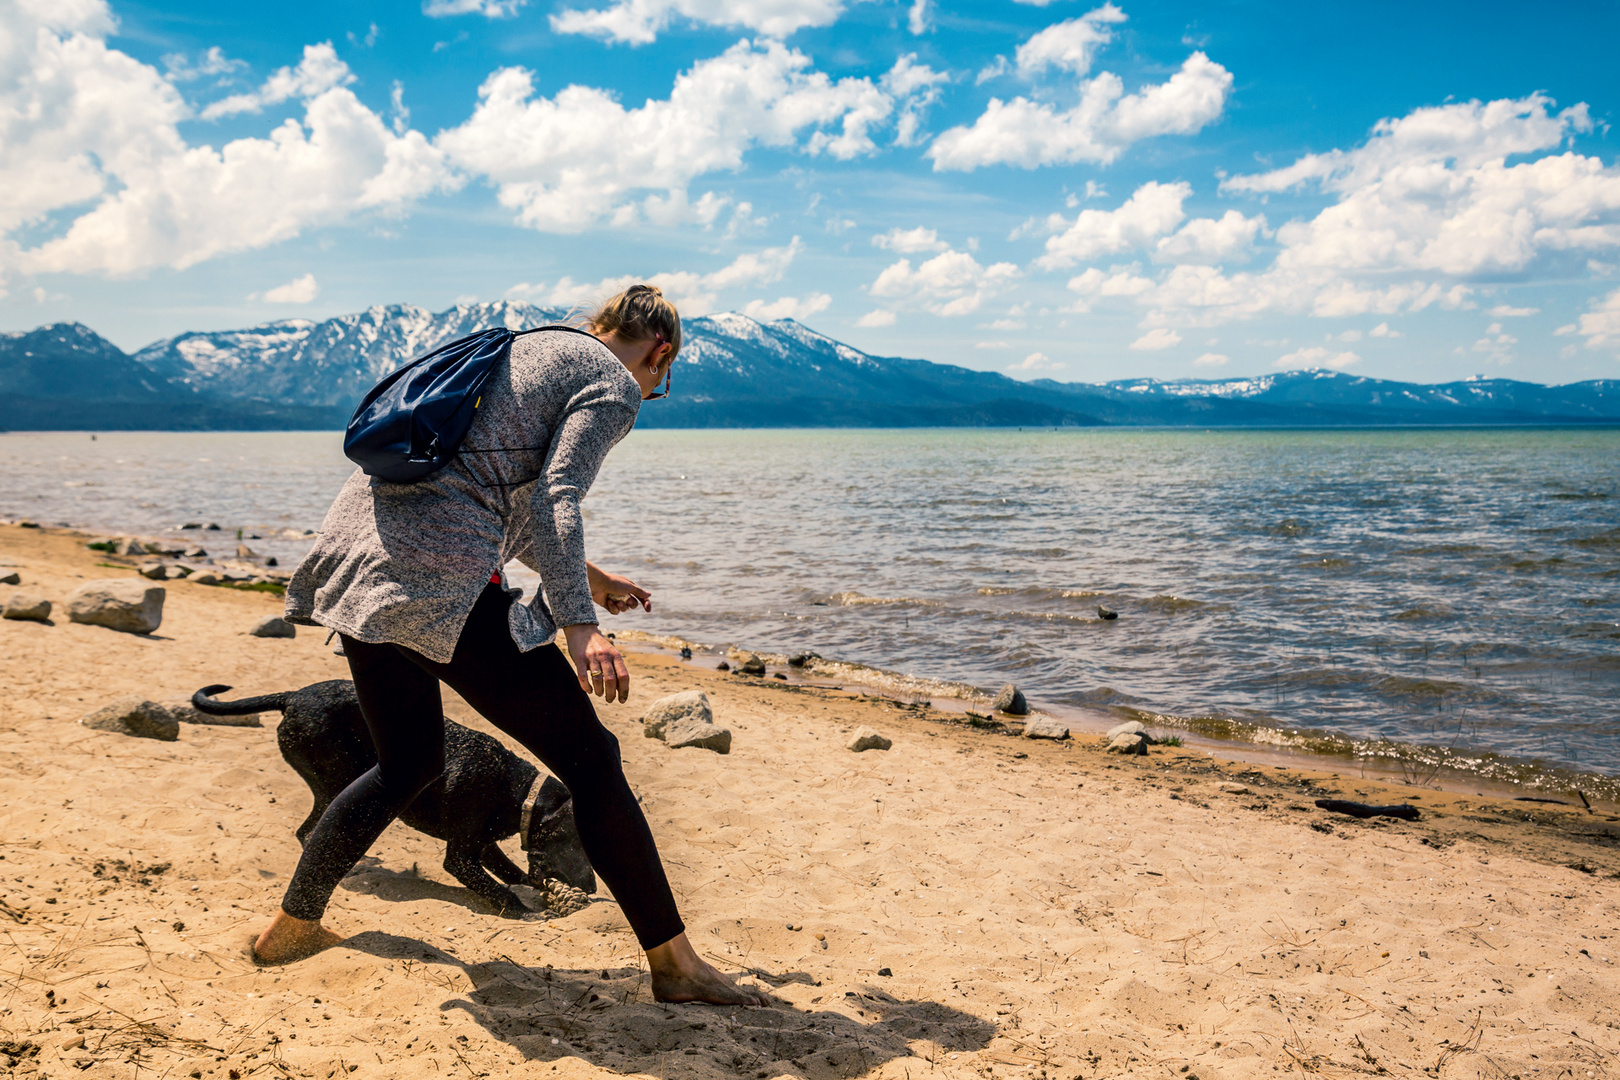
[{"x": 963, "y": 904}]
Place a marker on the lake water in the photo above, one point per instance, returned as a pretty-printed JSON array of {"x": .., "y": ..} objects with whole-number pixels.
[{"x": 1343, "y": 592}]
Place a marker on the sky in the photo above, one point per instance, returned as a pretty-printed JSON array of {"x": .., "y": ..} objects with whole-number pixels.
[{"x": 1044, "y": 188}]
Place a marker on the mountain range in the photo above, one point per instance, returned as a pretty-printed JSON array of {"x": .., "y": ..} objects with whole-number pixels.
[{"x": 733, "y": 372}]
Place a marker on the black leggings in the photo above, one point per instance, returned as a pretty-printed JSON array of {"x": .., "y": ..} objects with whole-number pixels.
[{"x": 532, "y": 696}]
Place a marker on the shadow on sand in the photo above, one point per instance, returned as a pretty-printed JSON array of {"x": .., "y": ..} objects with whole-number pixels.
[{"x": 608, "y": 1018}]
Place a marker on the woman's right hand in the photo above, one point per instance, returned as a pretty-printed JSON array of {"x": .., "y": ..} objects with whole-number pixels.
[{"x": 600, "y": 666}]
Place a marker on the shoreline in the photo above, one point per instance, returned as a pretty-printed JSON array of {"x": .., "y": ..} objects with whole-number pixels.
[
  {"x": 1410, "y": 763},
  {"x": 967, "y": 904}
]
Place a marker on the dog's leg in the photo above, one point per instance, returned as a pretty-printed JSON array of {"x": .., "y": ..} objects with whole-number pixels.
[
  {"x": 496, "y": 862},
  {"x": 308, "y": 826},
  {"x": 461, "y": 862}
]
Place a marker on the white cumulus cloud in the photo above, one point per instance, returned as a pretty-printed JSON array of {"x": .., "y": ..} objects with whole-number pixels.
[
  {"x": 788, "y": 307},
  {"x": 951, "y": 283},
  {"x": 1155, "y": 339},
  {"x": 909, "y": 241},
  {"x": 1152, "y": 210},
  {"x": 92, "y": 134},
  {"x": 1070, "y": 45},
  {"x": 1316, "y": 357},
  {"x": 319, "y": 71},
  {"x": 639, "y": 22},
  {"x": 1211, "y": 359},
  {"x": 692, "y": 293},
  {"x": 300, "y": 290},
  {"x": 490, "y": 9},
  {"x": 1099, "y": 128},
  {"x": 1212, "y": 240},
  {"x": 1506, "y": 311},
  {"x": 1600, "y": 326},
  {"x": 570, "y": 161},
  {"x": 1036, "y": 361},
  {"x": 878, "y": 317}
]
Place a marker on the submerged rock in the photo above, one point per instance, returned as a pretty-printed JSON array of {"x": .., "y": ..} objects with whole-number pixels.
[
  {"x": 124, "y": 605},
  {"x": 868, "y": 739}
]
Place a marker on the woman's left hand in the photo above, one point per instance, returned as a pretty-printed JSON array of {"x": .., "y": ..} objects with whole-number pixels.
[{"x": 600, "y": 666}]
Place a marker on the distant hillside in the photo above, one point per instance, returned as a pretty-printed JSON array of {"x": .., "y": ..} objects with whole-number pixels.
[{"x": 733, "y": 372}]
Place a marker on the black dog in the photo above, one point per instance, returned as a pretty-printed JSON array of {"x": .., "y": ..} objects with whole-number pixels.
[{"x": 486, "y": 794}]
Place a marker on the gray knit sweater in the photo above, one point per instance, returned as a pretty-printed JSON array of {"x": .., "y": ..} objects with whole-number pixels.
[{"x": 404, "y": 563}]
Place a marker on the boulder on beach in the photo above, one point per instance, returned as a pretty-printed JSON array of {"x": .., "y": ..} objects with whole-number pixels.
[
  {"x": 868, "y": 739},
  {"x": 749, "y": 664},
  {"x": 1011, "y": 701},
  {"x": 273, "y": 626},
  {"x": 1045, "y": 727},
  {"x": 245, "y": 552},
  {"x": 12, "y": 578},
  {"x": 135, "y": 717},
  {"x": 26, "y": 607},
  {"x": 206, "y": 577},
  {"x": 1133, "y": 743},
  {"x": 1130, "y": 727},
  {"x": 803, "y": 659},
  {"x": 154, "y": 571},
  {"x": 693, "y": 732},
  {"x": 687, "y": 705},
  {"x": 128, "y": 545},
  {"x": 120, "y": 604}
]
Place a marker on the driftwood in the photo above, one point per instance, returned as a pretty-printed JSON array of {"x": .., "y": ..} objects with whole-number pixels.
[{"x": 1363, "y": 810}]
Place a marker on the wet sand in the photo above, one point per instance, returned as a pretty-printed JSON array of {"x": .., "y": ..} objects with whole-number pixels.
[{"x": 1041, "y": 909}]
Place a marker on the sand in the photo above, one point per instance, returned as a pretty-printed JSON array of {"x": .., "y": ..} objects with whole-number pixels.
[{"x": 965, "y": 903}]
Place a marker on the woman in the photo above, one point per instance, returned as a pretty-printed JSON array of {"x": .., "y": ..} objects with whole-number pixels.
[{"x": 410, "y": 576}]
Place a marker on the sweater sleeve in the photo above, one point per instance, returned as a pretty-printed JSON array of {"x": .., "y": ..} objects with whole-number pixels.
[{"x": 556, "y": 547}]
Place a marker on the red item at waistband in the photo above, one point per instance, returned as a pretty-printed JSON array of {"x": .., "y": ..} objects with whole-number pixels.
[{"x": 495, "y": 578}]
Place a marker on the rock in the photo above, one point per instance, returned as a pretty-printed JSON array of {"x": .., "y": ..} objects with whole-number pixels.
[
  {"x": 867, "y": 739},
  {"x": 24, "y": 606},
  {"x": 1130, "y": 727},
  {"x": 687, "y": 705},
  {"x": 192, "y": 525},
  {"x": 212, "y": 526},
  {"x": 885, "y": 972},
  {"x": 750, "y": 664},
  {"x": 27, "y": 524},
  {"x": 271, "y": 561},
  {"x": 1045, "y": 727},
  {"x": 207, "y": 577},
  {"x": 1011, "y": 701},
  {"x": 155, "y": 571},
  {"x": 12, "y": 578},
  {"x": 273, "y": 626},
  {"x": 245, "y": 552},
  {"x": 1234, "y": 789},
  {"x": 691, "y": 732},
  {"x": 686, "y": 652},
  {"x": 122, "y": 605},
  {"x": 1134, "y": 743},
  {"x": 196, "y": 552},
  {"x": 182, "y": 712},
  {"x": 803, "y": 659},
  {"x": 135, "y": 717},
  {"x": 1106, "y": 613},
  {"x": 128, "y": 545},
  {"x": 722, "y": 666}
]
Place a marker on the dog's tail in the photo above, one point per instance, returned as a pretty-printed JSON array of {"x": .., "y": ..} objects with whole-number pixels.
[{"x": 204, "y": 702}]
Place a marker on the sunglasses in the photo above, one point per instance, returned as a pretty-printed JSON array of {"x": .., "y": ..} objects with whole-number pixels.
[{"x": 669, "y": 373}]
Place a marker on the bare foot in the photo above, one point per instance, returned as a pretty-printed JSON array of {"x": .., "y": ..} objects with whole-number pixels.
[
  {"x": 679, "y": 974},
  {"x": 287, "y": 939}
]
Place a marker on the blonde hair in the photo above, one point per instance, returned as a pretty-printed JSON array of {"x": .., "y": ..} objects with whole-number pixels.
[{"x": 639, "y": 313}]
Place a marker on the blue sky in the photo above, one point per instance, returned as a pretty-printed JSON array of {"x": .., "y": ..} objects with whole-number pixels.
[{"x": 1059, "y": 190}]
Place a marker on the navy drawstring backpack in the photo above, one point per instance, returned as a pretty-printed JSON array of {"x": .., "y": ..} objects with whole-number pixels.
[{"x": 412, "y": 422}]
